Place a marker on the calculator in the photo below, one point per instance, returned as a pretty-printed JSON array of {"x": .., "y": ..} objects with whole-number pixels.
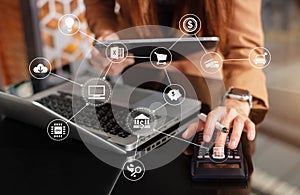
[{"x": 210, "y": 165}]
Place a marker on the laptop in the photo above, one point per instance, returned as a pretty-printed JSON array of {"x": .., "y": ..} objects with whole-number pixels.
[{"x": 39, "y": 109}]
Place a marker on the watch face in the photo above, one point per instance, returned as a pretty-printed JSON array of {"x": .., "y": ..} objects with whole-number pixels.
[{"x": 240, "y": 92}]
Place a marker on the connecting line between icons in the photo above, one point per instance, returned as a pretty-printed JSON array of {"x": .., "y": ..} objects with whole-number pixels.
[
  {"x": 137, "y": 143},
  {"x": 107, "y": 70},
  {"x": 92, "y": 38},
  {"x": 66, "y": 79},
  {"x": 78, "y": 112},
  {"x": 145, "y": 57},
  {"x": 176, "y": 42},
  {"x": 241, "y": 59},
  {"x": 201, "y": 44},
  {"x": 142, "y": 57},
  {"x": 167, "y": 76},
  {"x": 116, "y": 180},
  {"x": 159, "y": 107},
  {"x": 200, "y": 146}
]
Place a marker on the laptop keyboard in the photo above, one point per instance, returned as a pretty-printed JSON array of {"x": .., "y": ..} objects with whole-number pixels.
[{"x": 100, "y": 118}]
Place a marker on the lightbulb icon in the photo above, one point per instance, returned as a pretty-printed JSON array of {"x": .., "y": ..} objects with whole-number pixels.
[{"x": 69, "y": 22}]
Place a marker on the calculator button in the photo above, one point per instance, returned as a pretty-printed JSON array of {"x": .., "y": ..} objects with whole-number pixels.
[
  {"x": 237, "y": 157},
  {"x": 218, "y": 153},
  {"x": 206, "y": 156},
  {"x": 230, "y": 156}
]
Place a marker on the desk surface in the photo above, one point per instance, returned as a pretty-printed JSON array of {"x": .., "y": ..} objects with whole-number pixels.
[{"x": 31, "y": 163}]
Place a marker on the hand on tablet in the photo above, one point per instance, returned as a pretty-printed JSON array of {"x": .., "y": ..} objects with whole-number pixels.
[{"x": 101, "y": 63}]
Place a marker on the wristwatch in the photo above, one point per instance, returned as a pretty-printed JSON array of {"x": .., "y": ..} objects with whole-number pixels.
[{"x": 238, "y": 94}]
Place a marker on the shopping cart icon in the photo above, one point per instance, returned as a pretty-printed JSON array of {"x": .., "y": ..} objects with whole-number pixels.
[{"x": 160, "y": 58}]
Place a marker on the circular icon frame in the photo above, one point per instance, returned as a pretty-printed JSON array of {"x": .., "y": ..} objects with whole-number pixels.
[
  {"x": 144, "y": 129},
  {"x": 260, "y": 58},
  {"x": 56, "y": 131},
  {"x": 161, "y": 57},
  {"x": 117, "y": 50},
  {"x": 37, "y": 65},
  {"x": 94, "y": 86},
  {"x": 176, "y": 94},
  {"x": 208, "y": 62},
  {"x": 69, "y": 24},
  {"x": 133, "y": 171},
  {"x": 184, "y": 22}
]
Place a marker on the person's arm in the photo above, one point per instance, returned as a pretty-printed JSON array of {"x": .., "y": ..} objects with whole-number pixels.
[
  {"x": 244, "y": 34},
  {"x": 103, "y": 22},
  {"x": 101, "y": 17}
]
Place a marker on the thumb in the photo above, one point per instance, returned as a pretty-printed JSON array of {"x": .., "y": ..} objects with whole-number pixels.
[{"x": 193, "y": 129}]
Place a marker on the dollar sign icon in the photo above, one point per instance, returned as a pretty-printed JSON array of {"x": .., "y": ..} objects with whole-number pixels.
[{"x": 190, "y": 24}]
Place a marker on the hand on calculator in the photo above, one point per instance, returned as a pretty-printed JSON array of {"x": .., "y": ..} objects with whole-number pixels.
[{"x": 233, "y": 114}]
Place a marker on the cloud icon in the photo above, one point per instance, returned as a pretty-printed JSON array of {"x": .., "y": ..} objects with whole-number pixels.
[{"x": 40, "y": 68}]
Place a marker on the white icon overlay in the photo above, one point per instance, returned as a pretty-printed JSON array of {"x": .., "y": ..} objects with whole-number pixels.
[
  {"x": 133, "y": 170},
  {"x": 141, "y": 121},
  {"x": 58, "y": 130},
  {"x": 160, "y": 57},
  {"x": 40, "y": 68},
  {"x": 260, "y": 57},
  {"x": 116, "y": 52},
  {"x": 69, "y": 24},
  {"x": 96, "y": 91},
  {"x": 174, "y": 94},
  {"x": 211, "y": 62},
  {"x": 190, "y": 24}
]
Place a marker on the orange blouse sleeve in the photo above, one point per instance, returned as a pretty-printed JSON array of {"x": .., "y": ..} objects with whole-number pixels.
[{"x": 244, "y": 34}]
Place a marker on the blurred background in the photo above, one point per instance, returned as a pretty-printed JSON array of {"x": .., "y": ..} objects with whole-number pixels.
[{"x": 29, "y": 29}]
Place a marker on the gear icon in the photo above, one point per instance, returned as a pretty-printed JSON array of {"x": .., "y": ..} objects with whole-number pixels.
[{"x": 174, "y": 94}]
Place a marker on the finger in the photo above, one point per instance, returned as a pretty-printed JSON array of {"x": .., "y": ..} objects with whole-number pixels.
[
  {"x": 250, "y": 128},
  {"x": 211, "y": 120},
  {"x": 129, "y": 61},
  {"x": 238, "y": 126},
  {"x": 96, "y": 65},
  {"x": 193, "y": 129},
  {"x": 230, "y": 115},
  {"x": 117, "y": 68},
  {"x": 98, "y": 59},
  {"x": 221, "y": 139},
  {"x": 111, "y": 37},
  {"x": 98, "y": 54}
]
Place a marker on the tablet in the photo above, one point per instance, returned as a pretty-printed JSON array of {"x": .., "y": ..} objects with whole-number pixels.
[{"x": 143, "y": 47}]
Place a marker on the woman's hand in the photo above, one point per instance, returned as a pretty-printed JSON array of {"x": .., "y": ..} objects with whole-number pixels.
[
  {"x": 234, "y": 114},
  {"x": 102, "y": 63}
]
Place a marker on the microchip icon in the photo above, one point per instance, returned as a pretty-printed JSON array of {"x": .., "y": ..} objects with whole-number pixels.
[{"x": 174, "y": 94}]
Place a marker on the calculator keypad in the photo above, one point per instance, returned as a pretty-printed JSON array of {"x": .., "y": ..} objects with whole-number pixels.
[{"x": 204, "y": 153}]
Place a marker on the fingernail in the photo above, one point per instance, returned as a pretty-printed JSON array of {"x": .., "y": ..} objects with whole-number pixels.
[
  {"x": 206, "y": 138},
  {"x": 252, "y": 136}
]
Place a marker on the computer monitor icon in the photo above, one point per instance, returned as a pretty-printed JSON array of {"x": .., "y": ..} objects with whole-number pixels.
[{"x": 96, "y": 92}]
